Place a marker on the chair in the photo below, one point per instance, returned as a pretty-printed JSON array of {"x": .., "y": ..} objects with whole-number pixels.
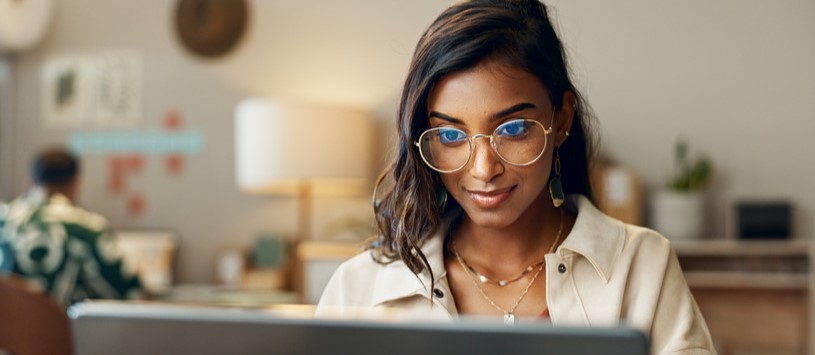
[{"x": 31, "y": 323}]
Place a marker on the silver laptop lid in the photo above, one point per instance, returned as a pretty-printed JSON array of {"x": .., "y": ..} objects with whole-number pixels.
[{"x": 126, "y": 328}]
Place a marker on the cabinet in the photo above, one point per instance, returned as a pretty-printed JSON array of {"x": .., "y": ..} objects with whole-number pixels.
[{"x": 756, "y": 296}]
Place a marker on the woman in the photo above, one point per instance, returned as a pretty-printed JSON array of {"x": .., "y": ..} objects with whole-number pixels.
[{"x": 490, "y": 211}]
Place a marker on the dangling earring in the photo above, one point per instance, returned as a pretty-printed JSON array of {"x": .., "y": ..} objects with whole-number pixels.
[
  {"x": 555, "y": 186},
  {"x": 441, "y": 198}
]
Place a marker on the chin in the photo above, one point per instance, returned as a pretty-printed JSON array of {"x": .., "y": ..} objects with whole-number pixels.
[{"x": 491, "y": 219}]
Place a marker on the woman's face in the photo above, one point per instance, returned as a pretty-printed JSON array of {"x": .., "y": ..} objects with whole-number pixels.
[{"x": 493, "y": 193}]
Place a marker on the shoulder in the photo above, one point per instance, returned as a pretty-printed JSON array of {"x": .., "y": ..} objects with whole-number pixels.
[
  {"x": 64, "y": 212},
  {"x": 644, "y": 250},
  {"x": 645, "y": 240},
  {"x": 648, "y": 257}
]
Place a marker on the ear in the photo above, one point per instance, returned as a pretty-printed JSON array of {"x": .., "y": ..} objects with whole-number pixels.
[{"x": 565, "y": 117}]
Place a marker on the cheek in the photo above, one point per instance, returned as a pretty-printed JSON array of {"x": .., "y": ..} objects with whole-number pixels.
[
  {"x": 450, "y": 182},
  {"x": 545, "y": 161},
  {"x": 546, "y": 168},
  {"x": 538, "y": 173}
]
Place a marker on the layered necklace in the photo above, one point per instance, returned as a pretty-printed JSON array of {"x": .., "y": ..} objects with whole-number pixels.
[{"x": 478, "y": 278}]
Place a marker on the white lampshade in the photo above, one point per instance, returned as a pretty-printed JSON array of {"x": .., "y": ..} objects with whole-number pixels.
[{"x": 281, "y": 146}]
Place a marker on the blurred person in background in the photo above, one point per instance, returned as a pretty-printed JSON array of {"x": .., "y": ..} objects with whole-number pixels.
[
  {"x": 490, "y": 211},
  {"x": 67, "y": 251}
]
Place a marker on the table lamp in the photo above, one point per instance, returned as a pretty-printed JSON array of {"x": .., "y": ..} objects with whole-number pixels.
[{"x": 297, "y": 150}]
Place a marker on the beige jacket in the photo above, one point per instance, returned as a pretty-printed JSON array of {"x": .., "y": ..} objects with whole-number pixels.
[{"x": 605, "y": 273}]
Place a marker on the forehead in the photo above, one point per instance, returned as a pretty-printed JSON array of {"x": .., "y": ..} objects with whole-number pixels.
[{"x": 486, "y": 89}]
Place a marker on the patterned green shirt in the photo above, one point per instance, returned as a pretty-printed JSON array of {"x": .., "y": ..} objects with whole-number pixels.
[{"x": 71, "y": 253}]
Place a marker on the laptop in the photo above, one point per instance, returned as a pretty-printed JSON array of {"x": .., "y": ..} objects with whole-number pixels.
[
  {"x": 152, "y": 252},
  {"x": 136, "y": 328}
]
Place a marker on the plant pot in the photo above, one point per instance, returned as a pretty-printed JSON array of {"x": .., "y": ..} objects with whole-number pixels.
[{"x": 678, "y": 215}]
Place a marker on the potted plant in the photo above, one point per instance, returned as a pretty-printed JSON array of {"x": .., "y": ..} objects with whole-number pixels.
[{"x": 678, "y": 209}]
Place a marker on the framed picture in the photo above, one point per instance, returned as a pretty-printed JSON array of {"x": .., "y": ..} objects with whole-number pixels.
[
  {"x": 101, "y": 89},
  {"x": 65, "y": 91},
  {"x": 116, "y": 87}
]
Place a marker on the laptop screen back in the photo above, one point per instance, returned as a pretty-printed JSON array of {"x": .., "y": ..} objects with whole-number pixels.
[{"x": 117, "y": 328}]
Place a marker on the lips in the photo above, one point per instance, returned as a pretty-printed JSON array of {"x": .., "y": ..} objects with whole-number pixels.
[{"x": 490, "y": 199}]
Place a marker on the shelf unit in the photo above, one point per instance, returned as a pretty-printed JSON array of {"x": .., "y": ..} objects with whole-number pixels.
[{"x": 755, "y": 295}]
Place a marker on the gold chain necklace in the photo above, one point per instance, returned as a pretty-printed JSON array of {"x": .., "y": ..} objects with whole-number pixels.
[
  {"x": 486, "y": 280},
  {"x": 475, "y": 277}
]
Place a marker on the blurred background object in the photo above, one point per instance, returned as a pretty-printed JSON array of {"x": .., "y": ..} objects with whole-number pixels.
[
  {"x": 617, "y": 191},
  {"x": 211, "y": 28},
  {"x": 151, "y": 253},
  {"x": 317, "y": 261},
  {"x": 23, "y": 24},
  {"x": 230, "y": 267},
  {"x": 32, "y": 323},
  {"x": 764, "y": 219},
  {"x": 678, "y": 210},
  {"x": 286, "y": 149}
]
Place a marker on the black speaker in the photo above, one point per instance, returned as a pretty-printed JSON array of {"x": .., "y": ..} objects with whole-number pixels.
[{"x": 764, "y": 220}]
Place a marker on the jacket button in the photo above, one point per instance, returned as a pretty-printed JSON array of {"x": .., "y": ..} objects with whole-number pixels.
[
  {"x": 561, "y": 268},
  {"x": 438, "y": 293}
]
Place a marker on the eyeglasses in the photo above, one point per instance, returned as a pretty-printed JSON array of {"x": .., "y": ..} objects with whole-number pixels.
[{"x": 518, "y": 142}]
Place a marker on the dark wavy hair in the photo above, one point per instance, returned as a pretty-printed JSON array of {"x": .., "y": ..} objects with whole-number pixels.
[
  {"x": 54, "y": 167},
  {"x": 517, "y": 33}
]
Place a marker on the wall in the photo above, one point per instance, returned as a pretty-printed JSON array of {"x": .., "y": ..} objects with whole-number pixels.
[{"x": 734, "y": 76}]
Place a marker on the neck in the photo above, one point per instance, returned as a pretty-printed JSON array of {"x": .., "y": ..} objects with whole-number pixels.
[
  {"x": 51, "y": 190},
  {"x": 515, "y": 246}
]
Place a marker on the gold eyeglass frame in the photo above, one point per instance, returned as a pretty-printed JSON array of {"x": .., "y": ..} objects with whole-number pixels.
[{"x": 471, "y": 143}]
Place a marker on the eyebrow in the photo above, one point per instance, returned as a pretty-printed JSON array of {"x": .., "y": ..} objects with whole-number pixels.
[
  {"x": 450, "y": 119},
  {"x": 519, "y": 107},
  {"x": 503, "y": 113}
]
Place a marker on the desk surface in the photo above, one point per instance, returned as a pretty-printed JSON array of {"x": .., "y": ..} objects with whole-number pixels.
[{"x": 214, "y": 295}]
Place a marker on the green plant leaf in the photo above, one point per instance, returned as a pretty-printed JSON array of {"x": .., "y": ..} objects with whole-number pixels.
[{"x": 690, "y": 175}]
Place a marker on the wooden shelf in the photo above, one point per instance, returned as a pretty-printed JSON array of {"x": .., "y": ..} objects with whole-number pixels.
[
  {"x": 735, "y": 281},
  {"x": 726, "y": 248},
  {"x": 745, "y": 280}
]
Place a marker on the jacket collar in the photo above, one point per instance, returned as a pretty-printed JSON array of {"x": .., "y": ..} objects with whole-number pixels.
[{"x": 595, "y": 236}]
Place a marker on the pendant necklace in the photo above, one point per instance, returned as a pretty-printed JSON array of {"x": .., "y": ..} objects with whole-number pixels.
[{"x": 477, "y": 277}]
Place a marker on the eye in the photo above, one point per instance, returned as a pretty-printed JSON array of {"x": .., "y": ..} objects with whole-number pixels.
[
  {"x": 517, "y": 128},
  {"x": 451, "y": 136}
]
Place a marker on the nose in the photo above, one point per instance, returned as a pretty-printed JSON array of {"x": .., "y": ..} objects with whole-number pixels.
[{"x": 486, "y": 164}]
